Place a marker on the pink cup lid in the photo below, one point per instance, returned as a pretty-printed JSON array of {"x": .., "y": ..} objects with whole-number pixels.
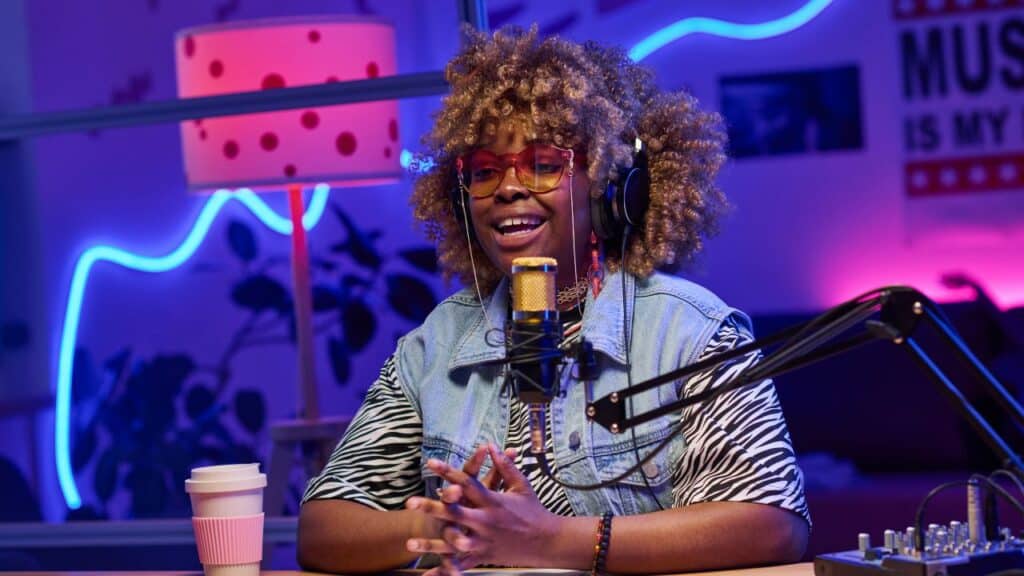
[{"x": 226, "y": 478}]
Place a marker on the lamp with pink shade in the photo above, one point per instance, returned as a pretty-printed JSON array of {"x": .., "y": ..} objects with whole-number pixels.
[{"x": 347, "y": 145}]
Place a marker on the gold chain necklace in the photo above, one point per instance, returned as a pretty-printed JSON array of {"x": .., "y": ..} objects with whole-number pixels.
[{"x": 572, "y": 294}]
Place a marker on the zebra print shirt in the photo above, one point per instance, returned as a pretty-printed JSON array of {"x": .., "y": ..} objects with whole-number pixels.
[{"x": 737, "y": 447}]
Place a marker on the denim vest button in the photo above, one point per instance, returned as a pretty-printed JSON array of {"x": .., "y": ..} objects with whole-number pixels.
[
  {"x": 574, "y": 441},
  {"x": 650, "y": 469}
]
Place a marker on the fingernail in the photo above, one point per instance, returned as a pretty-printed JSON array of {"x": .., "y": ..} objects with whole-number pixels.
[
  {"x": 412, "y": 545},
  {"x": 412, "y": 503},
  {"x": 462, "y": 544}
]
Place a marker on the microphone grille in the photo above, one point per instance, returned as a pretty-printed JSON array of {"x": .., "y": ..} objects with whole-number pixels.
[{"x": 533, "y": 284}]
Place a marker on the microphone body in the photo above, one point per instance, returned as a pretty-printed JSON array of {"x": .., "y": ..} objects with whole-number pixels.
[{"x": 533, "y": 352}]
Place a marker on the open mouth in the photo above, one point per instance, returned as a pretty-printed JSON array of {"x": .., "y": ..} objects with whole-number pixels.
[{"x": 518, "y": 225}]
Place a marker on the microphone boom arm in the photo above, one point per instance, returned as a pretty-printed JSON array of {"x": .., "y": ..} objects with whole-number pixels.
[{"x": 900, "y": 310}]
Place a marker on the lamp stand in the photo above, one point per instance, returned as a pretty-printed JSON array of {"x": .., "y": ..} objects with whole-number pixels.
[
  {"x": 309, "y": 426},
  {"x": 302, "y": 300}
]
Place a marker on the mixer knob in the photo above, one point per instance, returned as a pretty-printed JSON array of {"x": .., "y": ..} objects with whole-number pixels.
[
  {"x": 957, "y": 535},
  {"x": 889, "y": 539},
  {"x": 863, "y": 542},
  {"x": 941, "y": 540},
  {"x": 903, "y": 543}
]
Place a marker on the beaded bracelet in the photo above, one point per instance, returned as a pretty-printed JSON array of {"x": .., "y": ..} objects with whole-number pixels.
[{"x": 603, "y": 537}]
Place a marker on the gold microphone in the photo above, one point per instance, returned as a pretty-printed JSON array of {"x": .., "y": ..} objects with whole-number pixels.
[{"x": 533, "y": 353}]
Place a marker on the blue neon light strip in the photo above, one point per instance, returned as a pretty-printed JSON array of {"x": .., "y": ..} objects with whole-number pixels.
[
  {"x": 80, "y": 278},
  {"x": 687, "y": 26}
]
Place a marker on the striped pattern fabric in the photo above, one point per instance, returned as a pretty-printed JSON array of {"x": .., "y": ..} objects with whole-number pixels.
[{"x": 738, "y": 448}]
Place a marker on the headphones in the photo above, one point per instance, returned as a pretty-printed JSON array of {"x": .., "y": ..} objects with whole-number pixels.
[
  {"x": 623, "y": 203},
  {"x": 625, "y": 198}
]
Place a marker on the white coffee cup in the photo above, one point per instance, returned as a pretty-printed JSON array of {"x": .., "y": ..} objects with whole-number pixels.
[{"x": 227, "y": 516}]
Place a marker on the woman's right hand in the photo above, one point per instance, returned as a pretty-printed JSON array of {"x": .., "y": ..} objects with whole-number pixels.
[{"x": 452, "y": 561}]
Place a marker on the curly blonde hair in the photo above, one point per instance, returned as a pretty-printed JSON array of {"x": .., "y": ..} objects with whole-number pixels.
[{"x": 589, "y": 98}]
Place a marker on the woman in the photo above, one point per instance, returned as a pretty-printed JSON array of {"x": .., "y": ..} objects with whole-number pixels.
[{"x": 436, "y": 460}]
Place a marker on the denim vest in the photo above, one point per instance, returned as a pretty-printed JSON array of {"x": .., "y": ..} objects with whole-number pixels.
[{"x": 463, "y": 405}]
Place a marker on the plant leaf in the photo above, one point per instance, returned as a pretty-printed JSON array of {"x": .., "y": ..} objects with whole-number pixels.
[
  {"x": 210, "y": 454},
  {"x": 424, "y": 258},
  {"x": 198, "y": 401},
  {"x": 84, "y": 449},
  {"x": 358, "y": 324},
  {"x": 155, "y": 388},
  {"x": 340, "y": 365},
  {"x": 410, "y": 297},
  {"x": 149, "y": 490},
  {"x": 324, "y": 264},
  {"x": 85, "y": 381},
  {"x": 325, "y": 298},
  {"x": 117, "y": 363},
  {"x": 175, "y": 459},
  {"x": 242, "y": 241},
  {"x": 358, "y": 244},
  {"x": 105, "y": 477},
  {"x": 250, "y": 409},
  {"x": 260, "y": 293}
]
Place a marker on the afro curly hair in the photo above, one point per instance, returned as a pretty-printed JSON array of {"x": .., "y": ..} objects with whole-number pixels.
[{"x": 592, "y": 99}]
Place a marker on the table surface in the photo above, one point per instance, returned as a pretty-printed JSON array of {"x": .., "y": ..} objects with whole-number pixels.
[{"x": 803, "y": 569}]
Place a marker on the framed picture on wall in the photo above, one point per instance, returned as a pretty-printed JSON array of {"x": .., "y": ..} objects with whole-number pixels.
[{"x": 793, "y": 112}]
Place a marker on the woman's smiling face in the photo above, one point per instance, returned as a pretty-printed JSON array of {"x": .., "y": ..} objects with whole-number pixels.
[{"x": 513, "y": 221}]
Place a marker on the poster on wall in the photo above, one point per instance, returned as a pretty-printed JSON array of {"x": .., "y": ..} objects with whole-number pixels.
[
  {"x": 793, "y": 112},
  {"x": 961, "y": 88}
]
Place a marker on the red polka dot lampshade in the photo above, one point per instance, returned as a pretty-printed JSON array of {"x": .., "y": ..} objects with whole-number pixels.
[{"x": 348, "y": 145}]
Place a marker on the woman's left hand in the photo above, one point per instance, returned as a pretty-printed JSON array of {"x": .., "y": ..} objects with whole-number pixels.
[{"x": 504, "y": 528}]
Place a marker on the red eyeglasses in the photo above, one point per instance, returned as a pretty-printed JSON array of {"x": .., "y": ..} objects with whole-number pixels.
[{"x": 538, "y": 167}]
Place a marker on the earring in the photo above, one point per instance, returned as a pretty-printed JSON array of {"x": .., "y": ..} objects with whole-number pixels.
[{"x": 595, "y": 274}]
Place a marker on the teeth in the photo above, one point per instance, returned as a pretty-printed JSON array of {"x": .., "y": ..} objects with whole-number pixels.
[{"x": 519, "y": 221}]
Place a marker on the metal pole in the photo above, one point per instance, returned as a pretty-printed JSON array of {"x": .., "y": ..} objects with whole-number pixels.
[
  {"x": 1009, "y": 458},
  {"x": 989, "y": 381},
  {"x": 386, "y": 88}
]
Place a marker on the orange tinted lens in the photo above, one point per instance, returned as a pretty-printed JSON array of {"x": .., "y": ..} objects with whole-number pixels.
[
  {"x": 540, "y": 167},
  {"x": 484, "y": 173}
]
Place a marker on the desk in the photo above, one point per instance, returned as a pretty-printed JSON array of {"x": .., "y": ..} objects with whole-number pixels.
[{"x": 803, "y": 569}]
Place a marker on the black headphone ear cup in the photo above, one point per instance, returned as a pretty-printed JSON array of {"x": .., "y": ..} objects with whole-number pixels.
[
  {"x": 636, "y": 193},
  {"x": 601, "y": 218},
  {"x": 624, "y": 201}
]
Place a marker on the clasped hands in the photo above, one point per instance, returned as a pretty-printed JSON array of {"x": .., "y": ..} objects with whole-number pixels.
[{"x": 495, "y": 520}]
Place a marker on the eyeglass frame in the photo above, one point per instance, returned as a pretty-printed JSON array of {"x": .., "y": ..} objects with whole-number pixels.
[{"x": 460, "y": 166}]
